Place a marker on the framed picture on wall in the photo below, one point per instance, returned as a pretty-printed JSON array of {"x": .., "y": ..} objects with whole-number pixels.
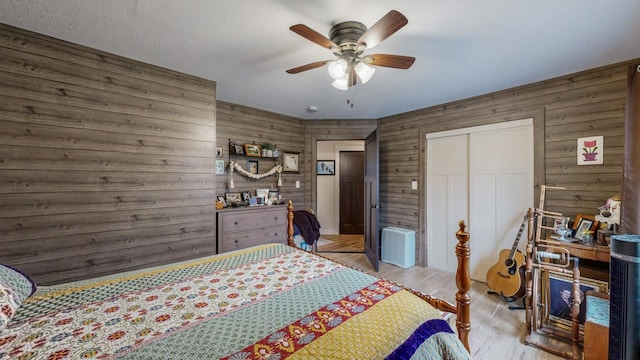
[
  {"x": 325, "y": 167},
  {"x": 290, "y": 161},
  {"x": 219, "y": 167},
  {"x": 252, "y": 167},
  {"x": 219, "y": 151}
]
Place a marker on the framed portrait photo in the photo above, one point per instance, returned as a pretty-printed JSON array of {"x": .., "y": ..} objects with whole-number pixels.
[
  {"x": 219, "y": 151},
  {"x": 560, "y": 297},
  {"x": 325, "y": 167},
  {"x": 290, "y": 161}
]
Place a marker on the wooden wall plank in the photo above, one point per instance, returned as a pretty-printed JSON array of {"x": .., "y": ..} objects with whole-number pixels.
[
  {"x": 106, "y": 164},
  {"x": 584, "y": 104}
]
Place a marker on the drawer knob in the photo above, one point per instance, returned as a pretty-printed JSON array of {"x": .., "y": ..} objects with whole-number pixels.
[
  {"x": 276, "y": 218},
  {"x": 235, "y": 241},
  {"x": 235, "y": 222}
]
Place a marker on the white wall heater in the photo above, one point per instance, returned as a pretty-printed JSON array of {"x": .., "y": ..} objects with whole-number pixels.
[{"x": 399, "y": 247}]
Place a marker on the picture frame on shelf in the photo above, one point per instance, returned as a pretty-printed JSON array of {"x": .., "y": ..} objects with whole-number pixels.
[
  {"x": 252, "y": 166},
  {"x": 220, "y": 200},
  {"x": 325, "y": 167},
  {"x": 263, "y": 193},
  {"x": 585, "y": 227},
  {"x": 273, "y": 196},
  {"x": 290, "y": 161},
  {"x": 219, "y": 151},
  {"x": 232, "y": 198},
  {"x": 235, "y": 149},
  {"x": 252, "y": 149},
  {"x": 246, "y": 195}
]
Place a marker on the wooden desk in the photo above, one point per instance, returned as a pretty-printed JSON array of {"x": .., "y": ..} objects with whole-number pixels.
[{"x": 582, "y": 251}]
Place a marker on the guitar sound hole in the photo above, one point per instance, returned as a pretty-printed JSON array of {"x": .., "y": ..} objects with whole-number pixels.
[{"x": 508, "y": 262}]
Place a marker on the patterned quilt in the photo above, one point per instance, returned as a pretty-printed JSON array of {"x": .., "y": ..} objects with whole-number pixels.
[{"x": 267, "y": 302}]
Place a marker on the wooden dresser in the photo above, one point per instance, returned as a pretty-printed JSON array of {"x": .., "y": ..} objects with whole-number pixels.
[{"x": 238, "y": 228}]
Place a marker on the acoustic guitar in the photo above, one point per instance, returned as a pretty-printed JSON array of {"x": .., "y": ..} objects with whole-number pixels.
[{"x": 506, "y": 277}]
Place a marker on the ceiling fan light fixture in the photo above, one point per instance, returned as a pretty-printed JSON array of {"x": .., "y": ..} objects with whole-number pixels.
[
  {"x": 338, "y": 68},
  {"x": 340, "y": 84},
  {"x": 364, "y": 71}
]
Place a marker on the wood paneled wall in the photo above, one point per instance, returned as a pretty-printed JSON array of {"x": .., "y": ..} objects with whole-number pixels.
[
  {"x": 584, "y": 104},
  {"x": 248, "y": 125},
  {"x": 106, "y": 164}
]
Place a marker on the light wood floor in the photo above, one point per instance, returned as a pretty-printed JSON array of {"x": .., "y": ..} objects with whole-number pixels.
[
  {"x": 496, "y": 331},
  {"x": 343, "y": 242}
]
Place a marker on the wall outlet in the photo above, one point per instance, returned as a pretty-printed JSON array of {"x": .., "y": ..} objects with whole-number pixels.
[
  {"x": 297, "y": 184},
  {"x": 414, "y": 185}
]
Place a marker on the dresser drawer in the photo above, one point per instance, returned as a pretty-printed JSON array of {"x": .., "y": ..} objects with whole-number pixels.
[
  {"x": 244, "y": 227},
  {"x": 239, "y": 221},
  {"x": 241, "y": 239}
]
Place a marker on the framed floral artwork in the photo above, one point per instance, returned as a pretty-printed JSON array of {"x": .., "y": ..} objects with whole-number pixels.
[{"x": 590, "y": 150}]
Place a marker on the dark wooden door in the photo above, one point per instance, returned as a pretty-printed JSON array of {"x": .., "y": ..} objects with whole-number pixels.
[
  {"x": 351, "y": 192},
  {"x": 371, "y": 230}
]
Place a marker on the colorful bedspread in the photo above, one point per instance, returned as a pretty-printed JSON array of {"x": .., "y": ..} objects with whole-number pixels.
[{"x": 266, "y": 302}]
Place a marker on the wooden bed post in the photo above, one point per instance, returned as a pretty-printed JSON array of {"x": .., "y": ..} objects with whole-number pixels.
[
  {"x": 463, "y": 282},
  {"x": 290, "y": 224}
]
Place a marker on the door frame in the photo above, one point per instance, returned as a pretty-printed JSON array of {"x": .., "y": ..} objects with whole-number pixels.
[
  {"x": 539, "y": 173},
  {"x": 314, "y": 158}
]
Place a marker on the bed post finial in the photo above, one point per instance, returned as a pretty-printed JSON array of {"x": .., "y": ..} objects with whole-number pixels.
[
  {"x": 290, "y": 224},
  {"x": 463, "y": 282}
]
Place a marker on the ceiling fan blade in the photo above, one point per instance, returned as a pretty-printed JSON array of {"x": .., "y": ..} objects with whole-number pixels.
[
  {"x": 384, "y": 28},
  {"x": 392, "y": 61},
  {"x": 312, "y": 35},
  {"x": 306, "y": 67}
]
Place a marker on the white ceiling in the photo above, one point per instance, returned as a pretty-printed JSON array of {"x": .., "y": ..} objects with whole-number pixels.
[{"x": 462, "y": 48}]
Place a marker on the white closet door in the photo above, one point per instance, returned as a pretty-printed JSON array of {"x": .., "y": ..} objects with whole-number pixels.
[
  {"x": 501, "y": 191},
  {"x": 447, "y": 191},
  {"x": 483, "y": 175}
]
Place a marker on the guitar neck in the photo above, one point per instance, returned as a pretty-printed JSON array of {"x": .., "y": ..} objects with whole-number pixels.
[{"x": 515, "y": 243}]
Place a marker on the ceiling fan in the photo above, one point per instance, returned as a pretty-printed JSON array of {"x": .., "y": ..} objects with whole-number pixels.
[{"x": 348, "y": 41}]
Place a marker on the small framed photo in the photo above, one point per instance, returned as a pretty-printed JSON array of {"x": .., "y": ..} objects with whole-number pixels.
[
  {"x": 232, "y": 198},
  {"x": 235, "y": 149},
  {"x": 326, "y": 167},
  {"x": 220, "y": 200},
  {"x": 273, "y": 196},
  {"x": 585, "y": 227},
  {"x": 219, "y": 151},
  {"x": 263, "y": 193},
  {"x": 219, "y": 167},
  {"x": 252, "y": 150},
  {"x": 252, "y": 167},
  {"x": 290, "y": 161},
  {"x": 246, "y": 196}
]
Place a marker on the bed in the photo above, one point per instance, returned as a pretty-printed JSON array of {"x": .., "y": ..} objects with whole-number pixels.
[{"x": 270, "y": 301}]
